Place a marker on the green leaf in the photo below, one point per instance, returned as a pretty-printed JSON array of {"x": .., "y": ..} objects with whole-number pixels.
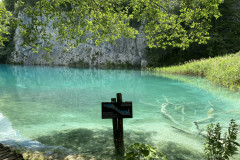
[{"x": 145, "y": 152}]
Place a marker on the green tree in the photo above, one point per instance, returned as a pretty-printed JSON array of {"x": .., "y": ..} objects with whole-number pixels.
[
  {"x": 8, "y": 24},
  {"x": 224, "y": 39},
  {"x": 225, "y": 31},
  {"x": 105, "y": 21},
  {"x": 9, "y": 4},
  {"x": 12, "y": 4},
  {"x": 4, "y": 24}
]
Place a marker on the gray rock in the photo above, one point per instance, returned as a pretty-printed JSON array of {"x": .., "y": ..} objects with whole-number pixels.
[{"x": 130, "y": 51}]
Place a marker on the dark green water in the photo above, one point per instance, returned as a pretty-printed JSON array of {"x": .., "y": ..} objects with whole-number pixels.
[{"x": 45, "y": 106}]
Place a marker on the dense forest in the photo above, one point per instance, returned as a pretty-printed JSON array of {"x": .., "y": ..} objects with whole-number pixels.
[
  {"x": 224, "y": 36},
  {"x": 225, "y": 39}
]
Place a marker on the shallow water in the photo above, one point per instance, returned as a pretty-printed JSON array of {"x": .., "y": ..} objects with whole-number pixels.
[{"x": 59, "y": 106}]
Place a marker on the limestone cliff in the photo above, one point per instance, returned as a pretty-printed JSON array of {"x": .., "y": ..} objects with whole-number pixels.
[{"x": 126, "y": 51}]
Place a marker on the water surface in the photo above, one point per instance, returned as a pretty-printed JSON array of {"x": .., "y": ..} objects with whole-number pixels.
[{"x": 59, "y": 106}]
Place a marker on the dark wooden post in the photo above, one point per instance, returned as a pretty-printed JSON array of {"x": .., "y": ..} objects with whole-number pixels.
[
  {"x": 120, "y": 121},
  {"x": 120, "y": 141},
  {"x": 117, "y": 110}
]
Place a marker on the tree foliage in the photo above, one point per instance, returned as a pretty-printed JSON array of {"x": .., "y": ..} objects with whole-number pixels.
[
  {"x": 11, "y": 5},
  {"x": 224, "y": 39},
  {"x": 4, "y": 23},
  {"x": 225, "y": 31},
  {"x": 176, "y": 23}
]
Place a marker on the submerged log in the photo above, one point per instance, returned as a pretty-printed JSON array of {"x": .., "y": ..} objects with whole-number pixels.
[
  {"x": 211, "y": 116},
  {"x": 198, "y": 133},
  {"x": 182, "y": 130},
  {"x": 179, "y": 126},
  {"x": 167, "y": 115},
  {"x": 205, "y": 120},
  {"x": 149, "y": 104}
]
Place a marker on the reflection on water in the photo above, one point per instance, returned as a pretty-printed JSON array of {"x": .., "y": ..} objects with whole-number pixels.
[{"x": 62, "y": 107}]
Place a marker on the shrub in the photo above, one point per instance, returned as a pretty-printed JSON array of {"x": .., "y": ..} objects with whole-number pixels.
[
  {"x": 223, "y": 70},
  {"x": 218, "y": 147},
  {"x": 139, "y": 151}
]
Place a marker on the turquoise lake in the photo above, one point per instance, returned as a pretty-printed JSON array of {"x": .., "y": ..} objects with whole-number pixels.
[{"x": 61, "y": 107}]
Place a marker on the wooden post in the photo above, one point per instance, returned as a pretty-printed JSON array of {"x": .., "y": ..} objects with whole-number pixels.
[
  {"x": 120, "y": 121},
  {"x": 117, "y": 110},
  {"x": 120, "y": 141}
]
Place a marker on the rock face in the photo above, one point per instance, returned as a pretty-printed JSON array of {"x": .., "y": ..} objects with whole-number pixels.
[{"x": 125, "y": 52}]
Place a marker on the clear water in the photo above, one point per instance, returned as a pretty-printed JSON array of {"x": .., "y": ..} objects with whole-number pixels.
[{"x": 46, "y": 106}]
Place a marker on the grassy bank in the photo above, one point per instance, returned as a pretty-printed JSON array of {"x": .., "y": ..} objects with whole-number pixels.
[{"x": 224, "y": 70}]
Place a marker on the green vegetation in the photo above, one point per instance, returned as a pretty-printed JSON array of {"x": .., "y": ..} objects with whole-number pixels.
[
  {"x": 8, "y": 46},
  {"x": 13, "y": 5},
  {"x": 224, "y": 39},
  {"x": 4, "y": 23},
  {"x": 7, "y": 30},
  {"x": 218, "y": 147},
  {"x": 9, "y": 10},
  {"x": 142, "y": 151},
  {"x": 167, "y": 23},
  {"x": 222, "y": 70}
]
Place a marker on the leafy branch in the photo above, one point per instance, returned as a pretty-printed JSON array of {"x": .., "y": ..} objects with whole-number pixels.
[{"x": 218, "y": 147}]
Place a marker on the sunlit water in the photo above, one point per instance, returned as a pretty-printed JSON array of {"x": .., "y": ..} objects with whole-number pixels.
[{"x": 46, "y": 106}]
